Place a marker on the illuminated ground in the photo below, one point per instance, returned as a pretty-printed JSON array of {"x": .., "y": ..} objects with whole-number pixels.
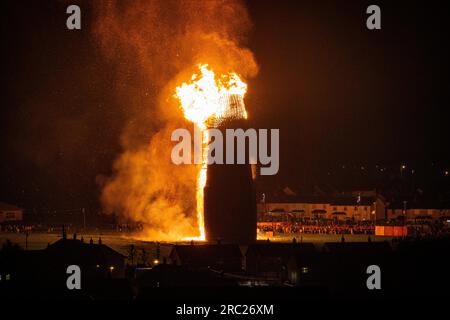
[
  {"x": 319, "y": 239},
  {"x": 121, "y": 243},
  {"x": 116, "y": 241}
]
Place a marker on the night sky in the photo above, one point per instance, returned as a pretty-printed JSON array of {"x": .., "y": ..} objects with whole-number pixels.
[{"x": 339, "y": 93}]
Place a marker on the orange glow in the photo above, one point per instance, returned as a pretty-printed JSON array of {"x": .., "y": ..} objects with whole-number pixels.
[
  {"x": 204, "y": 98},
  {"x": 205, "y": 101}
]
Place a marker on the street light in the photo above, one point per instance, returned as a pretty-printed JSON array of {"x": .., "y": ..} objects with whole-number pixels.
[{"x": 402, "y": 168}]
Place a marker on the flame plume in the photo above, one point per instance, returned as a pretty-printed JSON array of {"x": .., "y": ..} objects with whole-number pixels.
[
  {"x": 152, "y": 47},
  {"x": 206, "y": 98}
]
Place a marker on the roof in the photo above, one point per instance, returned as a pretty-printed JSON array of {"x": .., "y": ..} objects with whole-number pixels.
[
  {"x": 352, "y": 201},
  {"x": 332, "y": 200},
  {"x": 357, "y": 247},
  {"x": 279, "y": 249},
  {"x": 6, "y": 206},
  {"x": 430, "y": 203},
  {"x": 65, "y": 252},
  {"x": 205, "y": 253},
  {"x": 300, "y": 199},
  {"x": 170, "y": 275},
  {"x": 75, "y": 247}
]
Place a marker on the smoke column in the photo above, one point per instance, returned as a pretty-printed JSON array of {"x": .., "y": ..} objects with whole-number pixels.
[{"x": 153, "y": 46}]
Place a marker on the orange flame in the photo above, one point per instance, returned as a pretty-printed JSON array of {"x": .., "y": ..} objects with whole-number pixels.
[
  {"x": 205, "y": 100},
  {"x": 202, "y": 99}
]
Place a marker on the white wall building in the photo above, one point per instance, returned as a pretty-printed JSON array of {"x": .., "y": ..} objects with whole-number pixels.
[{"x": 10, "y": 213}]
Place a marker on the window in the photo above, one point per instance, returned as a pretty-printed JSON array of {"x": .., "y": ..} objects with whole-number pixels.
[
  {"x": 10, "y": 215},
  {"x": 294, "y": 276}
]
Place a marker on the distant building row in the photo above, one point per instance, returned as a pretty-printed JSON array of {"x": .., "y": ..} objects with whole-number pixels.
[
  {"x": 356, "y": 207},
  {"x": 321, "y": 208}
]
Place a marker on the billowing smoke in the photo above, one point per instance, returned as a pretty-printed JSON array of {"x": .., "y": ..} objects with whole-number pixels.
[{"x": 154, "y": 46}]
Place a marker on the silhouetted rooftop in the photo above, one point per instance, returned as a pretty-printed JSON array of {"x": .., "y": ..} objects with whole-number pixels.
[{"x": 279, "y": 249}]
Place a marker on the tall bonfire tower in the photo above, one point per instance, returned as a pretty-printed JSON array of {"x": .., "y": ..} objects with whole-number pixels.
[{"x": 229, "y": 193}]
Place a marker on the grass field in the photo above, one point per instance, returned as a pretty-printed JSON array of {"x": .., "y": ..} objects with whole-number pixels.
[
  {"x": 121, "y": 243},
  {"x": 116, "y": 241}
]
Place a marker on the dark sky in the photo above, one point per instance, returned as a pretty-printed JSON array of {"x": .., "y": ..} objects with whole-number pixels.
[
  {"x": 338, "y": 92},
  {"x": 351, "y": 93},
  {"x": 342, "y": 94}
]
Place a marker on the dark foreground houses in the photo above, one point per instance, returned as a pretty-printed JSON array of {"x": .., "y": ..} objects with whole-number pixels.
[
  {"x": 275, "y": 271},
  {"x": 44, "y": 273}
]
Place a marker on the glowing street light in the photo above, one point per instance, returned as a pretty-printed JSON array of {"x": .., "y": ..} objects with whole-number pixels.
[{"x": 402, "y": 168}]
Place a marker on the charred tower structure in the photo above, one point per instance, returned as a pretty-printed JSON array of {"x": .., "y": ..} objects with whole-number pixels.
[{"x": 229, "y": 194}]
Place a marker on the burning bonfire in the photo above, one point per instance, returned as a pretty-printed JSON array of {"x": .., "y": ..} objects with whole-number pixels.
[
  {"x": 151, "y": 45},
  {"x": 206, "y": 101}
]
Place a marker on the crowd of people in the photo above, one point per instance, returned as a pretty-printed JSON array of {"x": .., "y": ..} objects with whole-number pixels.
[
  {"x": 437, "y": 229},
  {"x": 432, "y": 229},
  {"x": 274, "y": 227},
  {"x": 288, "y": 227},
  {"x": 15, "y": 228},
  {"x": 24, "y": 228},
  {"x": 52, "y": 228}
]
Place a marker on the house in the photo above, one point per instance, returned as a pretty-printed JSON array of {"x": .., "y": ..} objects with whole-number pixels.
[
  {"x": 151, "y": 281},
  {"x": 271, "y": 259},
  {"x": 43, "y": 273},
  {"x": 293, "y": 208},
  {"x": 339, "y": 207},
  {"x": 349, "y": 208},
  {"x": 96, "y": 259},
  {"x": 10, "y": 213},
  {"x": 306, "y": 268},
  {"x": 224, "y": 257},
  {"x": 417, "y": 211}
]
